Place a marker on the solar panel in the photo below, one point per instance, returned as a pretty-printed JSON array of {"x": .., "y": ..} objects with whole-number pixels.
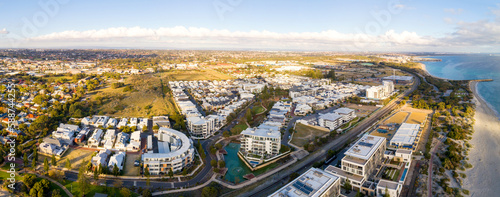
[
  {"x": 303, "y": 187},
  {"x": 365, "y": 144}
]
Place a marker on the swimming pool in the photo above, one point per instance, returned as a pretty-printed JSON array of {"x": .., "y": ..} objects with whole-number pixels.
[{"x": 404, "y": 174}]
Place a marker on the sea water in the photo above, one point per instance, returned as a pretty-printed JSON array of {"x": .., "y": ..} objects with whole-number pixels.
[{"x": 471, "y": 66}]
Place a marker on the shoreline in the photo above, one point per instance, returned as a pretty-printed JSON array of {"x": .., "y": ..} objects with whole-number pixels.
[
  {"x": 482, "y": 178},
  {"x": 427, "y": 73}
]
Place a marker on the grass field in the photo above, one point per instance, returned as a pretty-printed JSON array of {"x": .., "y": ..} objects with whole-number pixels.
[
  {"x": 129, "y": 168},
  {"x": 258, "y": 109},
  {"x": 306, "y": 133},
  {"x": 397, "y": 118},
  {"x": 392, "y": 173},
  {"x": 147, "y": 98},
  {"x": 75, "y": 156},
  {"x": 416, "y": 118},
  {"x": 362, "y": 110}
]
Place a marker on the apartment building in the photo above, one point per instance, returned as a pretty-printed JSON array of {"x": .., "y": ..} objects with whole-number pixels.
[
  {"x": 380, "y": 92},
  {"x": 337, "y": 118},
  {"x": 313, "y": 183},
  {"x": 360, "y": 160},
  {"x": 175, "y": 151},
  {"x": 261, "y": 141}
]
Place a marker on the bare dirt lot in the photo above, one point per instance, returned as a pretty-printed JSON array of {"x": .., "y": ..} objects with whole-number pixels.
[{"x": 306, "y": 133}]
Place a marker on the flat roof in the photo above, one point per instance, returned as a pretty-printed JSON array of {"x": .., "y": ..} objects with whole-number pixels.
[
  {"x": 312, "y": 183},
  {"x": 365, "y": 147},
  {"x": 387, "y": 184},
  {"x": 405, "y": 78},
  {"x": 262, "y": 132},
  {"x": 330, "y": 116}
]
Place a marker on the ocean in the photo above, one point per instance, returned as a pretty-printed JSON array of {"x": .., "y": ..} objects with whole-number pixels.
[{"x": 471, "y": 66}]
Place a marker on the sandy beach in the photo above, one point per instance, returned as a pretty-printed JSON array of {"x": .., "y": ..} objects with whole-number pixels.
[{"x": 483, "y": 178}]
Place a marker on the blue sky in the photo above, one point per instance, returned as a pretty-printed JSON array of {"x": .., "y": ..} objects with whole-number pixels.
[{"x": 444, "y": 25}]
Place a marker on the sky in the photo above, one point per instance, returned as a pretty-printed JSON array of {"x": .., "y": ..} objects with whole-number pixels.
[{"x": 333, "y": 25}]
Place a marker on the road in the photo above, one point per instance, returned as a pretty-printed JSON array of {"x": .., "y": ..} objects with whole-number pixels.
[
  {"x": 204, "y": 175},
  {"x": 319, "y": 155}
]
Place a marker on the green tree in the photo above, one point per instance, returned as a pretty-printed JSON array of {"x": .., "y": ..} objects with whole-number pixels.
[
  {"x": 68, "y": 164},
  {"x": 56, "y": 193},
  {"x": 222, "y": 164},
  {"x": 45, "y": 165},
  {"x": 170, "y": 173},
  {"x": 83, "y": 181},
  {"x": 347, "y": 186},
  {"x": 125, "y": 192},
  {"x": 146, "y": 193},
  {"x": 387, "y": 193},
  {"x": 33, "y": 164},
  {"x": 209, "y": 192},
  {"x": 213, "y": 163},
  {"x": 29, "y": 180},
  {"x": 53, "y": 160},
  {"x": 147, "y": 174},
  {"x": 25, "y": 160},
  {"x": 96, "y": 174},
  {"x": 116, "y": 170},
  {"x": 248, "y": 115}
]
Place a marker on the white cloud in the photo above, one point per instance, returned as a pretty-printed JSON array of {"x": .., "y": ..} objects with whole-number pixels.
[
  {"x": 457, "y": 11},
  {"x": 194, "y": 35},
  {"x": 4, "y": 31}
]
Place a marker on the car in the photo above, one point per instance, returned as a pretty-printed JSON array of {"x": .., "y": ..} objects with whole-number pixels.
[{"x": 136, "y": 163}]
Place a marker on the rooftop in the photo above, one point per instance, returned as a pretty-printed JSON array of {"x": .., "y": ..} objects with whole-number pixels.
[
  {"x": 365, "y": 147},
  {"x": 262, "y": 132},
  {"x": 314, "y": 182}
]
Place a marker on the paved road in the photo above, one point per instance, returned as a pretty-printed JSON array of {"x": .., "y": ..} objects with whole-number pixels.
[
  {"x": 204, "y": 175},
  {"x": 319, "y": 155}
]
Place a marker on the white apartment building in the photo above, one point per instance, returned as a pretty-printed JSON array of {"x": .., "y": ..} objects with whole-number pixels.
[
  {"x": 261, "y": 141},
  {"x": 313, "y": 183},
  {"x": 118, "y": 160},
  {"x": 175, "y": 151},
  {"x": 337, "y": 118},
  {"x": 380, "y": 92},
  {"x": 393, "y": 188},
  {"x": 200, "y": 127},
  {"x": 360, "y": 160}
]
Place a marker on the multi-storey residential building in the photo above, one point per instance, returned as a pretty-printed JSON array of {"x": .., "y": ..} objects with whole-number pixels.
[
  {"x": 95, "y": 139},
  {"x": 360, "y": 160},
  {"x": 380, "y": 92},
  {"x": 336, "y": 118},
  {"x": 261, "y": 141},
  {"x": 313, "y": 183},
  {"x": 175, "y": 151},
  {"x": 200, "y": 127}
]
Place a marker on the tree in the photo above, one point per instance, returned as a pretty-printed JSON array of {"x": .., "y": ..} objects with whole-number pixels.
[
  {"x": 83, "y": 181},
  {"x": 200, "y": 150},
  {"x": 56, "y": 193},
  {"x": 347, "y": 185},
  {"x": 35, "y": 154},
  {"x": 125, "y": 192},
  {"x": 33, "y": 163},
  {"x": 25, "y": 160},
  {"x": 213, "y": 163},
  {"x": 225, "y": 134},
  {"x": 218, "y": 146},
  {"x": 146, "y": 193},
  {"x": 68, "y": 164},
  {"x": 209, "y": 192},
  {"x": 185, "y": 171},
  {"x": 45, "y": 165},
  {"x": 96, "y": 174},
  {"x": 248, "y": 115},
  {"x": 170, "y": 173},
  {"x": 116, "y": 170},
  {"x": 387, "y": 193},
  {"x": 359, "y": 194},
  {"x": 29, "y": 180},
  {"x": 147, "y": 174},
  {"x": 53, "y": 160},
  {"x": 222, "y": 164}
]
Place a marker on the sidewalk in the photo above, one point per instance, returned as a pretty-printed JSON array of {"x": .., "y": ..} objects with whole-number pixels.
[{"x": 185, "y": 189}]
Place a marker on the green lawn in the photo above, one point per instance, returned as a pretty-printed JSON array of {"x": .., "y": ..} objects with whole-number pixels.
[
  {"x": 5, "y": 175},
  {"x": 237, "y": 129},
  {"x": 306, "y": 133},
  {"x": 258, "y": 109}
]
